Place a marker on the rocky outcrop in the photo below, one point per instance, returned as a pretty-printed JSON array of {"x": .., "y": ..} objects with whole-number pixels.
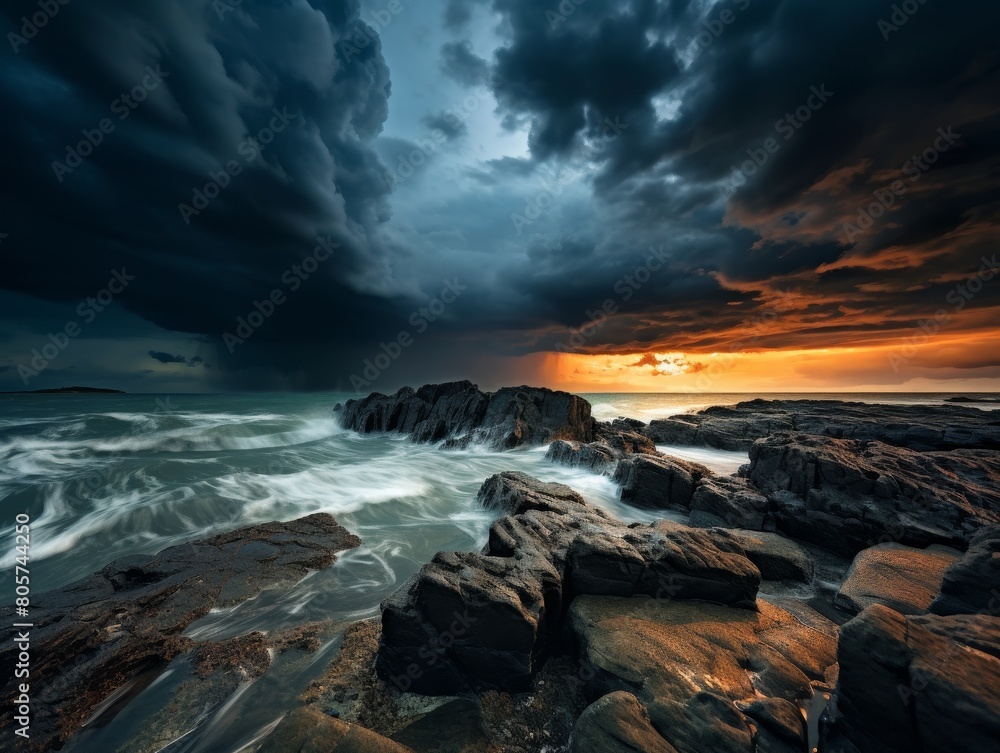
[
  {"x": 617, "y": 723},
  {"x": 972, "y": 584},
  {"x": 513, "y": 492},
  {"x": 593, "y": 456},
  {"x": 730, "y": 502},
  {"x": 900, "y": 577},
  {"x": 777, "y": 557},
  {"x": 704, "y": 673},
  {"x": 96, "y": 636},
  {"x": 658, "y": 482},
  {"x": 917, "y": 427},
  {"x": 615, "y": 441},
  {"x": 459, "y": 414},
  {"x": 848, "y": 495},
  {"x": 920, "y": 682},
  {"x": 491, "y": 619},
  {"x": 624, "y": 436}
]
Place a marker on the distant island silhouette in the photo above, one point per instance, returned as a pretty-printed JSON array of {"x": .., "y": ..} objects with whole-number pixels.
[{"x": 68, "y": 391}]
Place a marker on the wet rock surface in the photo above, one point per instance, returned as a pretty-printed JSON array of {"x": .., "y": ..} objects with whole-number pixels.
[
  {"x": 692, "y": 664},
  {"x": 491, "y": 619},
  {"x": 459, "y": 414},
  {"x": 900, "y": 577},
  {"x": 103, "y": 633}
]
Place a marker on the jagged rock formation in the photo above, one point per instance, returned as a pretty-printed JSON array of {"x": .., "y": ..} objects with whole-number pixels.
[
  {"x": 459, "y": 414},
  {"x": 848, "y": 495}
]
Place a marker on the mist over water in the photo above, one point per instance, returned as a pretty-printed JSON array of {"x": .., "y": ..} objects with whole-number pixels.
[{"x": 103, "y": 477}]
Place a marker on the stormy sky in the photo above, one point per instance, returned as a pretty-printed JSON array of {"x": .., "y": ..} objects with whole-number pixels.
[{"x": 646, "y": 194}]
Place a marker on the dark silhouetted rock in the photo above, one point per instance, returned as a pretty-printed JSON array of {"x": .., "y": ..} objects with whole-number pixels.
[
  {"x": 94, "y": 636},
  {"x": 972, "y": 583},
  {"x": 846, "y": 495},
  {"x": 459, "y": 414},
  {"x": 917, "y": 427},
  {"x": 912, "y": 683},
  {"x": 900, "y": 577},
  {"x": 490, "y": 620},
  {"x": 456, "y": 727},
  {"x": 617, "y": 723}
]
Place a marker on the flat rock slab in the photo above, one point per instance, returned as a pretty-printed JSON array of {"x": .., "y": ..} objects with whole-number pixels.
[
  {"x": 95, "y": 636},
  {"x": 691, "y": 664},
  {"x": 900, "y": 577},
  {"x": 917, "y": 427}
]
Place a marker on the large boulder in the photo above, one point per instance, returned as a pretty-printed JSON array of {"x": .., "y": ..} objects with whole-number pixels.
[
  {"x": 731, "y": 502},
  {"x": 900, "y": 577},
  {"x": 459, "y": 414},
  {"x": 917, "y": 427},
  {"x": 592, "y": 456},
  {"x": 490, "y": 619},
  {"x": 617, "y": 723},
  {"x": 920, "y": 682},
  {"x": 515, "y": 492},
  {"x": 693, "y": 666},
  {"x": 972, "y": 584},
  {"x": 847, "y": 495},
  {"x": 658, "y": 482},
  {"x": 95, "y": 636}
]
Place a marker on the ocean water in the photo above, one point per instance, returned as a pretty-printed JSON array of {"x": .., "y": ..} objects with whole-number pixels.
[{"x": 104, "y": 476}]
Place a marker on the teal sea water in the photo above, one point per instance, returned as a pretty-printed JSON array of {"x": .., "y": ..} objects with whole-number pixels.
[{"x": 104, "y": 476}]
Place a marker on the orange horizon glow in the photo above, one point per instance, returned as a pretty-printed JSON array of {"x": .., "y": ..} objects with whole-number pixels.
[{"x": 940, "y": 365}]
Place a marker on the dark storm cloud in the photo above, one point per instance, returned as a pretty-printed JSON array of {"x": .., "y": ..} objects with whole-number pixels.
[
  {"x": 166, "y": 357},
  {"x": 448, "y": 123},
  {"x": 700, "y": 91},
  {"x": 203, "y": 155},
  {"x": 459, "y": 62}
]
